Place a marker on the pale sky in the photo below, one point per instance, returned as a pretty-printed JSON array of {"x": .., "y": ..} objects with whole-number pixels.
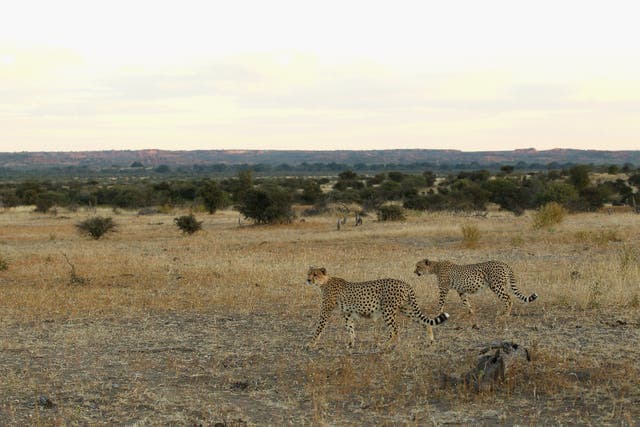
[{"x": 184, "y": 75}]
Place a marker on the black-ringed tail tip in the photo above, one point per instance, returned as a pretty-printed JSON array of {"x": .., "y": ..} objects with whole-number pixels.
[
  {"x": 533, "y": 297},
  {"x": 442, "y": 317}
]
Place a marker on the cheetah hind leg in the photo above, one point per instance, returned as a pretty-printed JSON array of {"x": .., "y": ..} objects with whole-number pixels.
[
  {"x": 465, "y": 300},
  {"x": 500, "y": 290},
  {"x": 508, "y": 304},
  {"x": 392, "y": 328}
]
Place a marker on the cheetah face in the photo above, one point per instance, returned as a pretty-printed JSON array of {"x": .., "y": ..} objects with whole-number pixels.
[
  {"x": 317, "y": 276},
  {"x": 423, "y": 266}
]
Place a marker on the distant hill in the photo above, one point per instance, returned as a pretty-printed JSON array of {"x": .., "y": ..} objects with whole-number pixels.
[{"x": 149, "y": 158}]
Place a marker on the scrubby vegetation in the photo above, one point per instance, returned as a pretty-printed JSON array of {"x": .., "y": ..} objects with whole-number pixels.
[
  {"x": 470, "y": 235},
  {"x": 390, "y": 213},
  {"x": 266, "y": 200},
  {"x": 266, "y": 205},
  {"x": 548, "y": 215},
  {"x": 96, "y": 227},
  {"x": 188, "y": 223}
]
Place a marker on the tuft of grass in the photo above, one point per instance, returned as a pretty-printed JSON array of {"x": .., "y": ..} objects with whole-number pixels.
[
  {"x": 470, "y": 235},
  {"x": 594, "y": 295},
  {"x": 600, "y": 237},
  {"x": 517, "y": 241},
  {"x": 548, "y": 215},
  {"x": 4, "y": 263},
  {"x": 628, "y": 256}
]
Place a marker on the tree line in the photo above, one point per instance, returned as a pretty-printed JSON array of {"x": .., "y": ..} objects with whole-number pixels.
[
  {"x": 165, "y": 171},
  {"x": 269, "y": 199}
]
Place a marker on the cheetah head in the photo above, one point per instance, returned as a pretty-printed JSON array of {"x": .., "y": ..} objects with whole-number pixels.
[
  {"x": 423, "y": 266},
  {"x": 317, "y": 276}
]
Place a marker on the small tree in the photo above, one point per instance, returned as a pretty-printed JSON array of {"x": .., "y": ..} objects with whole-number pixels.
[
  {"x": 96, "y": 227},
  {"x": 188, "y": 223},
  {"x": 579, "y": 176},
  {"x": 507, "y": 169},
  {"x": 429, "y": 178},
  {"x": 212, "y": 196},
  {"x": 267, "y": 205},
  {"x": 311, "y": 192}
]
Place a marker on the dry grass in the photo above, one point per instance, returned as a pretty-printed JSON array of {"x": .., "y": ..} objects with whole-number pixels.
[
  {"x": 470, "y": 235},
  {"x": 548, "y": 215},
  {"x": 174, "y": 329}
]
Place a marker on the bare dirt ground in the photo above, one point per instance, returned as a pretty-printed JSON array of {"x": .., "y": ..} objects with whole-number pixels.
[
  {"x": 207, "y": 341},
  {"x": 191, "y": 369}
]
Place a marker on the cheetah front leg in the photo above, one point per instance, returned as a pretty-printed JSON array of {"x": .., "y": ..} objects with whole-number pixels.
[
  {"x": 324, "y": 315},
  {"x": 465, "y": 300},
  {"x": 348, "y": 321}
]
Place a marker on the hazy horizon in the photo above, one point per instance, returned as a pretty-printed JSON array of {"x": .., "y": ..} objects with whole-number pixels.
[
  {"x": 308, "y": 149},
  {"x": 285, "y": 75}
]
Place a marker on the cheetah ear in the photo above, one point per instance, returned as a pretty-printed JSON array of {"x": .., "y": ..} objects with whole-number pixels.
[
  {"x": 426, "y": 261},
  {"x": 323, "y": 270}
]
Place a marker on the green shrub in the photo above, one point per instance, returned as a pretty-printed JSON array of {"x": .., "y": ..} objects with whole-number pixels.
[
  {"x": 96, "y": 227},
  {"x": 548, "y": 215},
  {"x": 267, "y": 205},
  {"x": 188, "y": 223},
  {"x": 213, "y": 197},
  {"x": 470, "y": 235},
  {"x": 4, "y": 263},
  {"x": 390, "y": 213}
]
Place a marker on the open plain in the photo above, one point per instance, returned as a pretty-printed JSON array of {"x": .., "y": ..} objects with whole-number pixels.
[{"x": 148, "y": 326}]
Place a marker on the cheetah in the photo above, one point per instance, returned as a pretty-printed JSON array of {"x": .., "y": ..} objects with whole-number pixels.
[
  {"x": 468, "y": 279},
  {"x": 371, "y": 299}
]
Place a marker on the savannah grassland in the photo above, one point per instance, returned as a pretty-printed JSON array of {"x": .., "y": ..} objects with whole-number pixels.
[{"x": 159, "y": 328}]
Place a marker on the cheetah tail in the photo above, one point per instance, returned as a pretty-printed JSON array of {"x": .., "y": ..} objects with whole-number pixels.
[
  {"x": 440, "y": 318},
  {"x": 519, "y": 294}
]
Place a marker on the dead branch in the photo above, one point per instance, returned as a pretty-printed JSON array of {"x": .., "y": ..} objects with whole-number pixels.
[{"x": 490, "y": 368}]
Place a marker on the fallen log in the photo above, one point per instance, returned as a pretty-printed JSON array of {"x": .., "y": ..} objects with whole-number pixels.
[{"x": 490, "y": 369}]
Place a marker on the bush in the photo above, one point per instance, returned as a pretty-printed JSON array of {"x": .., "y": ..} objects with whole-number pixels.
[
  {"x": 213, "y": 197},
  {"x": 390, "y": 213},
  {"x": 96, "y": 227},
  {"x": 188, "y": 223},
  {"x": 559, "y": 192},
  {"x": 4, "y": 263},
  {"x": 548, "y": 215},
  {"x": 43, "y": 204},
  {"x": 470, "y": 235},
  {"x": 267, "y": 205}
]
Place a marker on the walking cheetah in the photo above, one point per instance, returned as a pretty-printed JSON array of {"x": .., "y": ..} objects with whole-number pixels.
[
  {"x": 371, "y": 299},
  {"x": 467, "y": 279}
]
